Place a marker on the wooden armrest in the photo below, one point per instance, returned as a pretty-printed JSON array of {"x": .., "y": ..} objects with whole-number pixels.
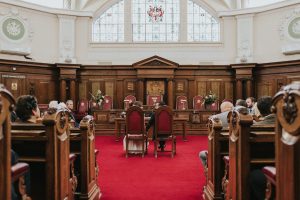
[
  {"x": 270, "y": 173},
  {"x": 72, "y": 157},
  {"x": 226, "y": 160},
  {"x": 19, "y": 170}
]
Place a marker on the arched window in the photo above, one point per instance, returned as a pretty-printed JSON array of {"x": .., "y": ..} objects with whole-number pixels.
[
  {"x": 202, "y": 26},
  {"x": 109, "y": 27},
  {"x": 155, "y": 20}
]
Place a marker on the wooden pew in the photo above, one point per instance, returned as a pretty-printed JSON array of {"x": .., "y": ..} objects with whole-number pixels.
[
  {"x": 82, "y": 142},
  {"x": 250, "y": 147},
  {"x": 8, "y": 173},
  {"x": 217, "y": 148},
  {"x": 46, "y": 148},
  {"x": 286, "y": 176}
]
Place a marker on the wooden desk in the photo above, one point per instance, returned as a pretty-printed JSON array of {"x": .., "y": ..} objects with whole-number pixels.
[{"x": 119, "y": 122}]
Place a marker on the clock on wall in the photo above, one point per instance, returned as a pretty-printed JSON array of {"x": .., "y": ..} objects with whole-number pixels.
[
  {"x": 13, "y": 29},
  {"x": 294, "y": 28}
]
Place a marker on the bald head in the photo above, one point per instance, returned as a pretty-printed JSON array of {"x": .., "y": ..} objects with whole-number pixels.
[{"x": 226, "y": 106}]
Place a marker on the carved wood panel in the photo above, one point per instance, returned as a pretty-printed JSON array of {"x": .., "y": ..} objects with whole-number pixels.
[
  {"x": 201, "y": 88},
  {"x": 82, "y": 93},
  {"x": 228, "y": 90}
]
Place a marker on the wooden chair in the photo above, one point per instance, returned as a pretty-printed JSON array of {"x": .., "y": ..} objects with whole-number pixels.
[
  {"x": 152, "y": 99},
  {"x": 128, "y": 100},
  {"x": 135, "y": 130},
  {"x": 197, "y": 103},
  {"x": 107, "y": 103},
  {"x": 164, "y": 128},
  {"x": 181, "y": 103},
  {"x": 82, "y": 109}
]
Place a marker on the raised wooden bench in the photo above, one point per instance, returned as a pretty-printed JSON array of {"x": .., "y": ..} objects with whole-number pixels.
[
  {"x": 82, "y": 143},
  {"x": 46, "y": 148}
]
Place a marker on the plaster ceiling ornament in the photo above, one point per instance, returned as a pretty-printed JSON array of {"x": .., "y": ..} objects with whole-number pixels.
[
  {"x": 290, "y": 25},
  {"x": 13, "y": 28}
]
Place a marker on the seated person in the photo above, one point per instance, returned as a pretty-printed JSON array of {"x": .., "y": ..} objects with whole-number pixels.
[
  {"x": 225, "y": 107},
  {"x": 250, "y": 103},
  {"x": 264, "y": 104},
  {"x": 27, "y": 109},
  {"x": 70, "y": 107},
  {"x": 152, "y": 123},
  {"x": 241, "y": 102},
  {"x": 134, "y": 145}
]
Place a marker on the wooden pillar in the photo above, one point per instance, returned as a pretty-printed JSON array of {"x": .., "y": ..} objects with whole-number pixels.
[
  {"x": 239, "y": 88},
  {"x": 140, "y": 92},
  {"x": 170, "y": 93},
  {"x": 63, "y": 89},
  {"x": 249, "y": 92},
  {"x": 73, "y": 91}
]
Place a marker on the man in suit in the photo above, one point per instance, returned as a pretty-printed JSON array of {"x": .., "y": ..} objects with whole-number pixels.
[{"x": 152, "y": 123}]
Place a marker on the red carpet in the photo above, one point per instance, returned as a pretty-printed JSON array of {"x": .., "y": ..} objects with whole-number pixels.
[{"x": 180, "y": 178}]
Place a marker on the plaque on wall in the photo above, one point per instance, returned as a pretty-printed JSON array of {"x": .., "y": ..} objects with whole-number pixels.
[
  {"x": 130, "y": 86},
  {"x": 180, "y": 86}
]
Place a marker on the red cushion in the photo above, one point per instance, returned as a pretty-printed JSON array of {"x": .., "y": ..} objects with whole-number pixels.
[
  {"x": 134, "y": 120},
  {"x": 164, "y": 122},
  {"x": 270, "y": 173}
]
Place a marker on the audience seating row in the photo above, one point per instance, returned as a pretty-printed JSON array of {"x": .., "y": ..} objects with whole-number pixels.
[
  {"x": 252, "y": 147},
  {"x": 47, "y": 149}
]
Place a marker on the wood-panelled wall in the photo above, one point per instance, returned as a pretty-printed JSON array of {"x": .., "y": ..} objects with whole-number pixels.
[{"x": 71, "y": 81}]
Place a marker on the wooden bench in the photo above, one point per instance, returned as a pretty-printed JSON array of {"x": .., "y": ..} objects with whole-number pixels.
[
  {"x": 217, "y": 148},
  {"x": 46, "y": 148},
  {"x": 82, "y": 143},
  {"x": 9, "y": 174},
  {"x": 250, "y": 147},
  {"x": 286, "y": 176}
]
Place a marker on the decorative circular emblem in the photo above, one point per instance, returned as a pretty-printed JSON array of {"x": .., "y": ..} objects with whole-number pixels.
[
  {"x": 294, "y": 28},
  {"x": 13, "y": 29}
]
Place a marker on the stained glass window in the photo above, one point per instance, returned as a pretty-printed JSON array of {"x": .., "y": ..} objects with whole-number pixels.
[
  {"x": 109, "y": 27},
  {"x": 202, "y": 26},
  {"x": 155, "y": 20}
]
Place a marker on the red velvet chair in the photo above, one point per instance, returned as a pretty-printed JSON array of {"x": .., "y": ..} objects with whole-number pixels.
[
  {"x": 82, "y": 109},
  {"x": 128, "y": 100},
  {"x": 107, "y": 103},
  {"x": 181, "y": 103},
  {"x": 164, "y": 129},
  {"x": 152, "y": 99},
  {"x": 135, "y": 130},
  {"x": 197, "y": 103}
]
